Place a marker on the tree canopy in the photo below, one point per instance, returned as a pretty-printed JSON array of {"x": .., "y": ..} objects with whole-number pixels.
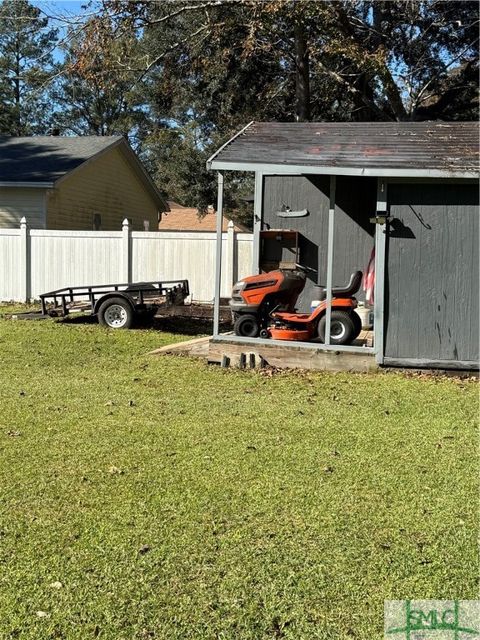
[{"x": 179, "y": 77}]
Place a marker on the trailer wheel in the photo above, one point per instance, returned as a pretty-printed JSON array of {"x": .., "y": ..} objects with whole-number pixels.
[
  {"x": 246, "y": 325},
  {"x": 342, "y": 328},
  {"x": 116, "y": 313}
]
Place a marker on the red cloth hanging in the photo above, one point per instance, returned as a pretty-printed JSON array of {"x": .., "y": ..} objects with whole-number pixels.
[{"x": 369, "y": 279}]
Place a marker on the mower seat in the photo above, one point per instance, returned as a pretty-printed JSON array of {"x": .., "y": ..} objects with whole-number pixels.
[{"x": 342, "y": 292}]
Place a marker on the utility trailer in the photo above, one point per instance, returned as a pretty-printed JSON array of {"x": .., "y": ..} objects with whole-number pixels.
[{"x": 118, "y": 306}]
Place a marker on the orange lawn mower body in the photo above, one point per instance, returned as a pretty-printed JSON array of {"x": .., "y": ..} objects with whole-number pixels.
[{"x": 264, "y": 306}]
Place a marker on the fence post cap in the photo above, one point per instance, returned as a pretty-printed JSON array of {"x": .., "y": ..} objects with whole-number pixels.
[
  {"x": 230, "y": 225},
  {"x": 23, "y": 222},
  {"x": 125, "y": 222}
]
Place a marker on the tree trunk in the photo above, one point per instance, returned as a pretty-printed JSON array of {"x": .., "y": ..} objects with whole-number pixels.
[
  {"x": 16, "y": 90},
  {"x": 391, "y": 90},
  {"x": 302, "y": 74}
]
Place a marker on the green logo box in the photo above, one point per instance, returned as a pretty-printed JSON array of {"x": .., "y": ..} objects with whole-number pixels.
[{"x": 432, "y": 620}]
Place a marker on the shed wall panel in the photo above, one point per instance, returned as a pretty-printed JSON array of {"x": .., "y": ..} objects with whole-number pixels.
[{"x": 432, "y": 286}]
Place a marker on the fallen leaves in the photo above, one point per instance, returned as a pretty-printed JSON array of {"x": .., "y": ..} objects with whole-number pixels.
[
  {"x": 144, "y": 549},
  {"x": 113, "y": 470},
  {"x": 56, "y": 585}
]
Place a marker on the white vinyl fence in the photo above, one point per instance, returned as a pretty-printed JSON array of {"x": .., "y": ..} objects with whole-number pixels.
[{"x": 34, "y": 261}]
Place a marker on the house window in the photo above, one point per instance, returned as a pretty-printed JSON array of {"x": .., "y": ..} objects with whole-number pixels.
[{"x": 97, "y": 222}]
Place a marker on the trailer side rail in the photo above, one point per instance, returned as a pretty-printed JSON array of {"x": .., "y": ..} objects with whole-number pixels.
[{"x": 170, "y": 289}]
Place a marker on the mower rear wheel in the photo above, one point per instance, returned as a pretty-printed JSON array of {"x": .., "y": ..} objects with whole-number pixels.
[
  {"x": 246, "y": 326},
  {"x": 343, "y": 328},
  {"x": 358, "y": 323}
]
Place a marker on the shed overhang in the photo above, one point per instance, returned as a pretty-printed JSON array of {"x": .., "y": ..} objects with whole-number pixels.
[
  {"x": 375, "y": 149},
  {"x": 376, "y": 172}
]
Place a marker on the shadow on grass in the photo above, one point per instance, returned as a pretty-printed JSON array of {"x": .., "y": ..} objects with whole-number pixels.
[
  {"x": 188, "y": 326},
  {"x": 184, "y": 326},
  {"x": 80, "y": 319}
]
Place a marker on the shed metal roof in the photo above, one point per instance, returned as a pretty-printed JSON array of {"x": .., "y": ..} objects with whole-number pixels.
[{"x": 394, "y": 149}]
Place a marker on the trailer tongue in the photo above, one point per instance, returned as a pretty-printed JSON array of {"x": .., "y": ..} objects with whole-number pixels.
[{"x": 117, "y": 306}]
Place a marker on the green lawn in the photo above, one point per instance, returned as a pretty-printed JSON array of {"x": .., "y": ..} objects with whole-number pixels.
[{"x": 158, "y": 497}]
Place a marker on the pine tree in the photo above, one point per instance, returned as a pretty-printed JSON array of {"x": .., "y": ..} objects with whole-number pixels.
[{"x": 26, "y": 66}]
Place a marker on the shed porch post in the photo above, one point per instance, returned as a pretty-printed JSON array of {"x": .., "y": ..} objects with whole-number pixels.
[
  {"x": 379, "y": 287},
  {"x": 331, "y": 231},
  {"x": 257, "y": 221},
  {"x": 218, "y": 260}
]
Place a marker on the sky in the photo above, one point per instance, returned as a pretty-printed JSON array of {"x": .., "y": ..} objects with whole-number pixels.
[
  {"x": 60, "y": 6},
  {"x": 62, "y": 13},
  {"x": 64, "y": 10}
]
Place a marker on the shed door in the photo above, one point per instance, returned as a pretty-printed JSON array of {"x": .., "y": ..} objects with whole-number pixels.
[{"x": 431, "y": 280}]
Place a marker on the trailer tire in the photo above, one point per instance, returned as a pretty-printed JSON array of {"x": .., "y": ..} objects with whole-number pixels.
[
  {"x": 116, "y": 313},
  {"x": 343, "y": 329},
  {"x": 246, "y": 325}
]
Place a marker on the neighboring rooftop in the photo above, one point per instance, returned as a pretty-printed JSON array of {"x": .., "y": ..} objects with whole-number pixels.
[
  {"x": 403, "y": 149},
  {"x": 39, "y": 161},
  {"x": 47, "y": 158},
  {"x": 181, "y": 218}
]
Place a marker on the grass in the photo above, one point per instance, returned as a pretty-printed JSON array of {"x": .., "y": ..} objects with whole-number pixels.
[{"x": 158, "y": 497}]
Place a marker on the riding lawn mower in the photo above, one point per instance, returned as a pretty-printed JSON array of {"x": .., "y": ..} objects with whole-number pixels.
[{"x": 264, "y": 306}]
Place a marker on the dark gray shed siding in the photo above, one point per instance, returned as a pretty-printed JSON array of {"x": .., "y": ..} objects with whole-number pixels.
[
  {"x": 355, "y": 204},
  {"x": 432, "y": 286}
]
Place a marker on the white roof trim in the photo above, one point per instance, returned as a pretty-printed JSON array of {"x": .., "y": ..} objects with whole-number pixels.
[
  {"x": 340, "y": 171},
  {"x": 239, "y": 133},
  {"x": 33, "y": 185}
]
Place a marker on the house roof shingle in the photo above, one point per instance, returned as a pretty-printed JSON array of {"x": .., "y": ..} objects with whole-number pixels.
[
  {"x": 47, "y": 158},
  {"x": 39, "y": 161}
]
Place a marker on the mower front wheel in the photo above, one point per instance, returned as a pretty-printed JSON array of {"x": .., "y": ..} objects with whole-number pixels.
[
  {"x": 246, "y": 326},
  {"x": 343, "y": 328}
]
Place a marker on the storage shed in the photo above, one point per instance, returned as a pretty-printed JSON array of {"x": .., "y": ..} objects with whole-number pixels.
[{"x": 408, "y": 191}]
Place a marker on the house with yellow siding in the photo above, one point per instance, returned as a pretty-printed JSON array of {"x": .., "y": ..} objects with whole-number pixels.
[{"x": 81, "y": 182}]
